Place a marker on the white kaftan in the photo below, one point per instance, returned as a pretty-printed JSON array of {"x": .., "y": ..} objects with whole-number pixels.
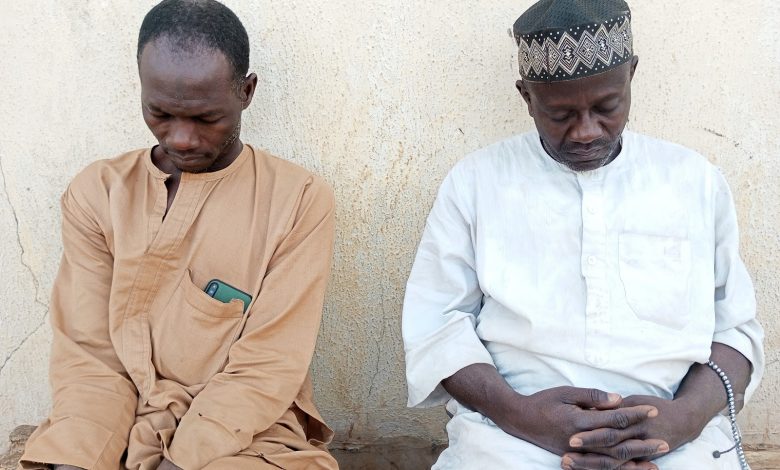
[{"x": 618, "y": 278}]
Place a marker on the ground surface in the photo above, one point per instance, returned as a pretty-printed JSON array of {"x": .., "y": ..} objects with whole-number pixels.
[{"x": 395, "y": 454}]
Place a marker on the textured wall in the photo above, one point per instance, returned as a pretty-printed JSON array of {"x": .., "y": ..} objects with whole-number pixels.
[{"x": 381, "y": 98}]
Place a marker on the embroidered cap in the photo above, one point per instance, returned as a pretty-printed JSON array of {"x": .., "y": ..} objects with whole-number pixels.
[{"x": 570, "y": 39}]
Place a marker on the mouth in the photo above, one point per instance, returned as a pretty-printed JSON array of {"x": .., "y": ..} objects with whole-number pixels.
[
  {"x": 191, "y": 162},
  {"x": 188, "y": 159},
  {"x": 592, "y": 154},
  {"x": 184, "y": 157}
]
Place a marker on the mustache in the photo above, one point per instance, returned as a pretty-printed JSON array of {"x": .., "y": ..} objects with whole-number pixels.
[{"x": 579, "y": 148}]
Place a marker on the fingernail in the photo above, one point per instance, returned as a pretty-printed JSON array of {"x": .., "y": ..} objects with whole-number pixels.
[
  {"x": 652, "y": 413},
  {"x": 663, "y": 447},
  {"x": 613, "y": 396},
  {"x": 566, "y": 463},
  {"x": 575, "y": 442}
]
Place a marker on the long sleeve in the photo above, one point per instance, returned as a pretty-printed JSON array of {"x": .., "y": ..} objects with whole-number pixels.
[
  {"x": 735, "y": 304},
  {"x": 268, "y": 364},
  {"x": 442, "y": 299},
  {"x": 93, "y": 399}
]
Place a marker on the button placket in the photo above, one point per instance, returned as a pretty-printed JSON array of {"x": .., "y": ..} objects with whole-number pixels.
[
  {"x": 136, "y": 339},
  {"x": 594, "y": 267}
]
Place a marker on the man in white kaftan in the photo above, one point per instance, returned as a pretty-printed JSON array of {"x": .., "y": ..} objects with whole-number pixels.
[{"x": 619, "y": 273}]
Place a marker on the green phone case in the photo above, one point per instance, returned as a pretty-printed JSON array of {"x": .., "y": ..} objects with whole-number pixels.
[{"x": 224, "y": 292}]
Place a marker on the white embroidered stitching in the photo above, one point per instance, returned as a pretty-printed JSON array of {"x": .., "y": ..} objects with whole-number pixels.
[{"x": 548, "y": 56}]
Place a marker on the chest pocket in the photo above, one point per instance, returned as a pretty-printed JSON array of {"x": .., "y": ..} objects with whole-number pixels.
[
  {"x": 192, "y": 336},
  {"x": 655, "y": 274}
]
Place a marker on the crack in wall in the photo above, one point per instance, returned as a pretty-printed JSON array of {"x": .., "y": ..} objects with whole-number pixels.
[
  {"x": 22, "y": 343},
  {"x": 381, "y": 335},
  {"x": 382, "y": 299},
  {"x": 36, "y": 282}
]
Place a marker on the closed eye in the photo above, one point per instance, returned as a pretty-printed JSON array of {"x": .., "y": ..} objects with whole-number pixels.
[
  {"x": 606, "y": 109},
  {"x": 608, "y": 106},
  {"x": 208, "y": 119}
]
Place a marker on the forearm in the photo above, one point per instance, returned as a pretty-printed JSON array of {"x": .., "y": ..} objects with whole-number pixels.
[
  {"x": 481, "y": 388},
  {"x": 93, "y": 399},
  {"x": 703, "y": 390}
]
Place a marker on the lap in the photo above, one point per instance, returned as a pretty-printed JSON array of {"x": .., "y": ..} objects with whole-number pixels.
[
  {"x": 284, "y": 444},
  {"x": 286, "y": 459},
  {"x": 698, "y": 454},
  {"x": 477, "y": 443},
  {"x": 240, "y": 462}
]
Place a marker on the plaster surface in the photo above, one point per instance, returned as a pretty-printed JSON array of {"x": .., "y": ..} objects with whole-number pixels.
[{"x": 381, "y": 98}]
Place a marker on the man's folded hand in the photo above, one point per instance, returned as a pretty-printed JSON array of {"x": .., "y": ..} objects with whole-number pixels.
[
  {"x": 676, "y": 424},
  {"x": 556, "y": 419}
]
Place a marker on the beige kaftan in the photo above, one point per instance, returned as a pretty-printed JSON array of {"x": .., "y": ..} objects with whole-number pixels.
[{"x": 144, "y": 361}]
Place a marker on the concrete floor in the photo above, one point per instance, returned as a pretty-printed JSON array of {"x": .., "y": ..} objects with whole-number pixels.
[{"x": 394, "y": 454}]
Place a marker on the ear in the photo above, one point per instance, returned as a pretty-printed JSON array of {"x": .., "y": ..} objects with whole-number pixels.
[
  {"x": 634, "y": 63},
  {"x": 247, "y": 90},
  {"x": 522, "y": 87}
]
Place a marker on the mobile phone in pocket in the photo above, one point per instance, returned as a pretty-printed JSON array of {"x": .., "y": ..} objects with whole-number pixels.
[{"x": 224, "y": 292}]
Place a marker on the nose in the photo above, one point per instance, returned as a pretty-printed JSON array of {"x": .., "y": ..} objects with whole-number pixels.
[
  {"x": 182, "y": 136},
  {"x": 586, "y": 129}
]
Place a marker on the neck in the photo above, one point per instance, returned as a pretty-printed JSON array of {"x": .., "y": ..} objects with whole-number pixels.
[{"x": 228, "y": 156}]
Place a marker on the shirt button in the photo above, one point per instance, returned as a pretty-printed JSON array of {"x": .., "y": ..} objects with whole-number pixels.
[
  {"x": 592, "y": 209},
  {"x": 592, "y": 260}
]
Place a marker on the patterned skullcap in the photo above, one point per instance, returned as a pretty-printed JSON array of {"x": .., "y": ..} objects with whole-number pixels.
[{"x": 570, "y": 39}]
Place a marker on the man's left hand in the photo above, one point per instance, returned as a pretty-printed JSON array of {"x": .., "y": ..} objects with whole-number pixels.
[
  {"x": 167, "y": 465},
  {"x": 675, "y": 425}
]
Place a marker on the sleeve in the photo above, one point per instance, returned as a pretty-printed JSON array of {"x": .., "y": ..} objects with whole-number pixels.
[
  {"x": 443, "y": 299},
  {"x": 93, "y": 399},
  {"x": 268, "y": 364},
  {"x": 735, "y": 304}
]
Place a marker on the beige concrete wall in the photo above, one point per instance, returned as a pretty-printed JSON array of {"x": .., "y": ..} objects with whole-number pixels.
[{"x": 381, "y": 98}]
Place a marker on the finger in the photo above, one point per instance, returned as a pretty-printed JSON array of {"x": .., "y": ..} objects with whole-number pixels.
[
  {"x": 592, "y": 398},
  {"x": 616, "y": 419},
  {"x": 635, "y": 449},
  {"x": 575, "y": 461},
  {"x": 599, "y": 438}
]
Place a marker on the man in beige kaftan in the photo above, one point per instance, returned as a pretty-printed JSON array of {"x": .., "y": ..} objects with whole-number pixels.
[{"x": 148, "y": 370}]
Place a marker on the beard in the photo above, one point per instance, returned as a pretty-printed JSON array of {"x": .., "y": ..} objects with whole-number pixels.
[{"x": 567, "y": 155}]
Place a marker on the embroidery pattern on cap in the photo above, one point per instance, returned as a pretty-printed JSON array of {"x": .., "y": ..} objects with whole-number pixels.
[{"x": 576, "y": 52}]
